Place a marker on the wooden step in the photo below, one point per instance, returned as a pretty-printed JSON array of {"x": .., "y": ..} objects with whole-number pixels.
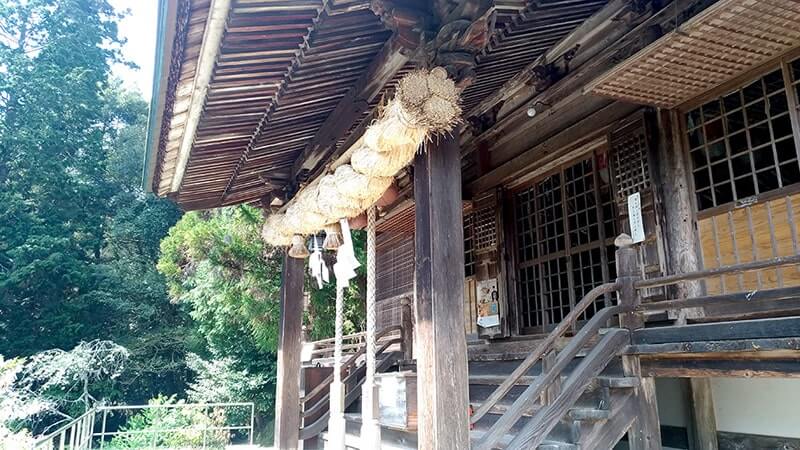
[
  {"x": 496, "y": 380},
  {"x": 618, "y": 382},
  {"x": 588, "y": 414},
  {"x": 476, "y": 435},
  {"x": 581, "y": 413}
]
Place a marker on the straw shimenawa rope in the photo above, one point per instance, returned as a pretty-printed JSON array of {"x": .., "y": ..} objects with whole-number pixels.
[{"x": 426, "y": 103}]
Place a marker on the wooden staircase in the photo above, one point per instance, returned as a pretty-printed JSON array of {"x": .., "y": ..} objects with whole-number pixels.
[
  {"x": 597, "y": 419},
  {"x": 575, "y": 397}
]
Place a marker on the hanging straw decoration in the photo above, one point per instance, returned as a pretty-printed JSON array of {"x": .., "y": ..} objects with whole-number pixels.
[
  {"x": 426, "y": 103},
  {"x": 298, "y": 248},
  {"x": 333, "y": 237},
  {"x": 335, "y": 204},
  {"x": 273, "y": 231}
]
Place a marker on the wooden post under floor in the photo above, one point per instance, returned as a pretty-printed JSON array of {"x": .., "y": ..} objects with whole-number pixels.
[
  {"x": 683, "y": 258},
  {"x": 287, "y": 395},
  {"x": 645, "y": 432},
  {"x": 442, "y": 373}
]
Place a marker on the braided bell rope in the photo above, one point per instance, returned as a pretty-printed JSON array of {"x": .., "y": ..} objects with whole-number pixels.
[
  {"x": 337, "y": 346},
  {"x": 371, "y": 310}
]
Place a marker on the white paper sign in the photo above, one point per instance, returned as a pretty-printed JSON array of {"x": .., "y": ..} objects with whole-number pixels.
[
  {"x": 489, "y": 321},
  {"x": 635, "y": 217}
]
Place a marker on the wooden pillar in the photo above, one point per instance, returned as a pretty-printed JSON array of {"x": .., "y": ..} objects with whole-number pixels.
[
  {"x": 442, "y": 374},
  {"x": 287, "y": 396},
  {"x": 704, "y": 420},
  {"x": 645, "y": 432},
  {"x": 683, "y": 258},
  {"x": 407, "y": 322}
]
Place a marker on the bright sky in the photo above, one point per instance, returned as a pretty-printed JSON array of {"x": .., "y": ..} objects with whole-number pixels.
[{"x": 139, "y": 28}]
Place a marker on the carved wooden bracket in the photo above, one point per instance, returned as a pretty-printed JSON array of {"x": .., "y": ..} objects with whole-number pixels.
[
  {"x": 458, "y": 42},
  {"x": 407, "y": 22}
]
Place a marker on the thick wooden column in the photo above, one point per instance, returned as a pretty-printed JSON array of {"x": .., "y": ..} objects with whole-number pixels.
[
  {"x": 683, "y": 258},
  {"x": 287, "y": 396},
  {"x": 442, "y": 374}
]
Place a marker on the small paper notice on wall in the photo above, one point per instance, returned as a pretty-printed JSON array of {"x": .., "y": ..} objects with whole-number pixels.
[
  {"x": 635, "y": 217},
  {"x": 488, "y": 303}
]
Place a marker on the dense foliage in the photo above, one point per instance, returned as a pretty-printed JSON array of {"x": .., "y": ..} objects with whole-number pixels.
[{"x": 78, "y": 237}]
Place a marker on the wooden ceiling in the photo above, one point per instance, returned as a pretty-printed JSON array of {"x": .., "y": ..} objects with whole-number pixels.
[{"x": 284, "y": 66}]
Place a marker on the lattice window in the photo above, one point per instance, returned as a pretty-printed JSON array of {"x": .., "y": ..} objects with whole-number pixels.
[
  {"x": 587, "y": 274},
  {"x": 531, "y": 312},
  {"x": 631, "y": 169},
  {"x": 795, "y": 67},
  {"x": 550, "y": 215},
  {"x": 565, "y": 226},
  {"x": 555, "y": 289},
  {"x": 583, "y": 224},
  {"x": 741, "y": 144},
  {"x": 469, "y": 246},
  {"x": 485, "y": 223},
  {"x": 394, "y": 265}
]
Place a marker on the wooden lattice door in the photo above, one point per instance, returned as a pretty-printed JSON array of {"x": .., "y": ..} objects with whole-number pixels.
[{"x": 564, "y": 226}]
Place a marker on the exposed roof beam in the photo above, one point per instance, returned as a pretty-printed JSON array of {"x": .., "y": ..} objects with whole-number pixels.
[
  {"x": 392, "y": 57},
  {"x": 209, "y": 51}
]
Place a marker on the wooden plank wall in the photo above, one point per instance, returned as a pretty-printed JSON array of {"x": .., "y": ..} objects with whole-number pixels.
[{"x": 751, "y": 233}]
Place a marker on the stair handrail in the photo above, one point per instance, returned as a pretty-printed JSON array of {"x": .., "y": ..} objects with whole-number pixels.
[
  {"x": 544, "y": 420},
  {"x": 310, "y": 430},
  {"x": 351, "y": 361},
  {"x": 79, "y": 431},
  {"x": 353, "y": 374},
  {"x": 526, "y": 400},
  {"x": 545, "y": 347},
  {"x": 315, "y": 428}
]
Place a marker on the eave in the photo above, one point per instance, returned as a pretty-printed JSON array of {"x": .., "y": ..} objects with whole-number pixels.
[
  {"x": 167, "y": 12},
  {"x": 716, "y": 46}
]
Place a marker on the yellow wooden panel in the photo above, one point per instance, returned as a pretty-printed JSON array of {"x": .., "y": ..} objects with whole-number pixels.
[
  {"x": 708, "y": 251},
  {"x": 744, "y": 247},
  {"x": 755, "y": 232},
  {"x": 470, "y": 306},
  {"x": 783, "y": 235},
  {"x": 727, "y": 256}
]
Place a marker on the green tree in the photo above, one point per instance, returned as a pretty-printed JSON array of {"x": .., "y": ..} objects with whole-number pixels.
[
  {"x": 217, "y": 263},
  {"x": 54, "y": 125},
  {"x": 79, "y": 238}
]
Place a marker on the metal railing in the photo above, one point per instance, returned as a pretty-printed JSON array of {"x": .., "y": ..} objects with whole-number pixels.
[
  {"x": 76, "y": 435},
  {"x": 207, "y": 427}
]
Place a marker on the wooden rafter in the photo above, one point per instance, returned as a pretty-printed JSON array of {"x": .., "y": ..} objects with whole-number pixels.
[{"x": 391, "y": 59}]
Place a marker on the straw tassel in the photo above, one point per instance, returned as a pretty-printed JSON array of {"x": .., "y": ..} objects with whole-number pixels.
[
  {"x": 298, "y": 248},
  {"x": 333, "y": 237}
]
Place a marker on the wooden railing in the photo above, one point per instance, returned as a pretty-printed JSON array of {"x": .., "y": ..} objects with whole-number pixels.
[
  {"x": 559, "y": 398},
  {"x": 547, "y": 345},
  {"x": 352, "y": 376},
  {"x": 324, "y": 347},
  {"x": 589, "y": 368}
]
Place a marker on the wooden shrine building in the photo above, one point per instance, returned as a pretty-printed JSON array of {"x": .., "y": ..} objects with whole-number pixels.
[{"x": 597, "y": 249}]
